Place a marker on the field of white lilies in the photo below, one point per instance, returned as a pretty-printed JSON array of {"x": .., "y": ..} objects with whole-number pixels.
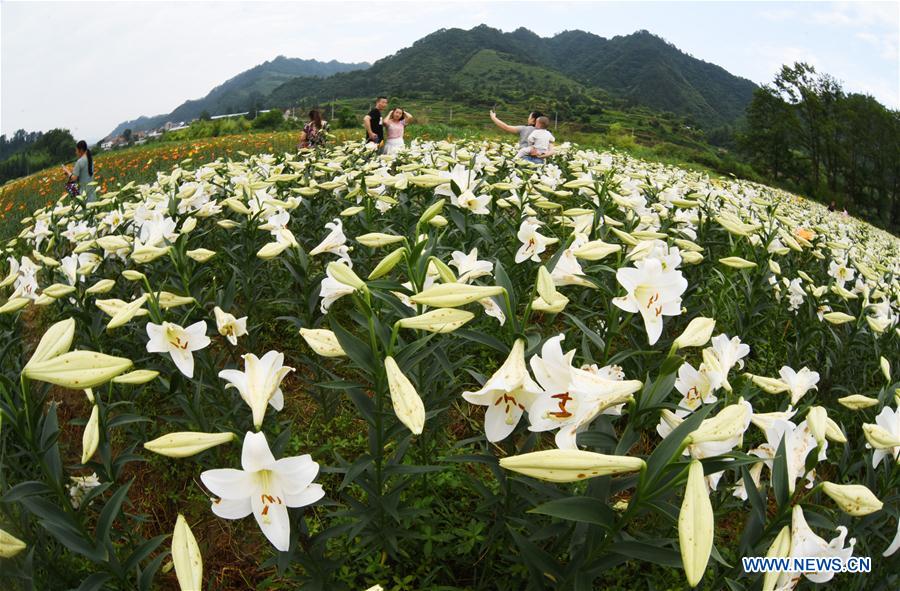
[{"x": 447, "y": 369}]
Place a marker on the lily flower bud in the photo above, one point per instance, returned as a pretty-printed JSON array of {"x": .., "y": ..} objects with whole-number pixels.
[
  {"x": 697, "y": 333},
  {"x": 731, "y": 422},
  {"x": 453, "y": 295},
  {"x": 201, "y": 255},
  {"x": 136, "y": 377},
  {"x": 816, "y": 418},
  {"x": 780, "y": 548},
  {"x": 10, "y": 545},
  {"x": 345, "y": 275},
  {"x": 407, "y": 403},
  {"x": 853, "y": 499},
  {"x": 433, "y": 210},
  {"x": 838, "y": 317},
  {"x": 377, "y": 239},
  {"x": 442, "y": 320},
  {"x": 78, "y": 369},
  {"x": 183, "y": 444},
  {"x": 186, "y": 556},
  {"x": 833, "y": 431},
  {"x": 857, "y": 402},
  {"x": 695, "y": 525},
  {"x": 570, "y": 465},
  {"x": 879, "y": 437},
  {"x": 102, "y": 286},
  {"x": 737, "y": 263},
  {"x": 56, "y": 341},
  {"x": 324, "y": 342},
  {"x": 90, "y": 439},
  {"x": 387, "y": 263}
]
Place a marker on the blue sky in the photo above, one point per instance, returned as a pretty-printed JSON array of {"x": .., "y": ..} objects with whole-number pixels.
[{"x": 89, "y": 66}]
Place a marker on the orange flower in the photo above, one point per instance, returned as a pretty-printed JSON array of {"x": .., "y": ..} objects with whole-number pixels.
[{"x": 805, "y": 234}]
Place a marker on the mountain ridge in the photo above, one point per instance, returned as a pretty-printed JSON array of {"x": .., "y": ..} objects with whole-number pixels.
[
  {"x": 575, "y": 71},
  {"x": 240, "y": 91}
]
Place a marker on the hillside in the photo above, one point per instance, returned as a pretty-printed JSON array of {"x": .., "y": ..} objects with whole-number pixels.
[
  {"x": 244, "y": 91},
  {"x": 578, "y": 72},
  {"x": 640, "y": 69}
]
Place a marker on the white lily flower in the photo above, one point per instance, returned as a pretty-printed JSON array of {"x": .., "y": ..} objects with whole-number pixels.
[
  {"x": 492, "y": 309},
  {"x": 180, "y": 343},
  {"x": 888, "y": 420},
  {"x": 533, "y": 243},
  {"x": 260, "y": 382},
  {"x": 805, "y": 543},
  {"x": 265, "y": 487},
  {"x": 572, "y": 398},
  {"x": 507, "y": 395},
  {"x": 653, "y": 291},
  {"x": 799, "y": 382},
  {"x": 331, "y": 290},
  {"x": 230, "y": 327},
  {"x": 335, "y": 243},
  {"x": 695, "y": 387},
  {"x": 469, "y": 267}
]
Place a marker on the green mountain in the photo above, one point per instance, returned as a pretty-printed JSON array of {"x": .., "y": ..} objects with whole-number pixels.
[
  {"x": 575, "y": 73},
  {"x": 245, "y": 91},
  {"x": 484, "y": 64}
]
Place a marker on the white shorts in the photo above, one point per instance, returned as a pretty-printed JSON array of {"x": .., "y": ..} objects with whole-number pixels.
[{"x": 394, "y": 145}]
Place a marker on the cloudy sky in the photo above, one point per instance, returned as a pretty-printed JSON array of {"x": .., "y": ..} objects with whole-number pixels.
[{"x": 87, "y": 66}]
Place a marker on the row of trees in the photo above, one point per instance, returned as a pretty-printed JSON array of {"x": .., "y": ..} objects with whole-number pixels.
[
  {"x": 53, "y": 147},
  {"x": 805, "y": 132}
]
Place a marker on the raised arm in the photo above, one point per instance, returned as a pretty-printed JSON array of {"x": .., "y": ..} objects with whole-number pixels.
[
  {"x": 502, "y": 125},
  {"x": 408, "y": 116}
]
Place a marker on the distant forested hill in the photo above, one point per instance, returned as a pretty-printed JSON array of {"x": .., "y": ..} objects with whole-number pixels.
[{"x": 245, "y": 91}]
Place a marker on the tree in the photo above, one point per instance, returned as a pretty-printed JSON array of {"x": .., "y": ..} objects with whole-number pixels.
[
  {"x": 127, "y": 135},
  {"x": 770, "y": 127},
  {"x": 205, "y": 116}
]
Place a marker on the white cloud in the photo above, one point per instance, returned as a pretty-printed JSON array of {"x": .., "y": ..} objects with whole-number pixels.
[
  {"x": 778, "y": 14},
  {"x": 860, "y": 14},
  {"x": 885, "y": 44}
]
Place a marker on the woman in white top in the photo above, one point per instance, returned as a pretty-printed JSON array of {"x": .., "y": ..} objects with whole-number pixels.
[{"x": 394, "y": 125}]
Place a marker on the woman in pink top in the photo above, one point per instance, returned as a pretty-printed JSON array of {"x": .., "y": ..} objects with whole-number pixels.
[{"x": 394, "y": 124}]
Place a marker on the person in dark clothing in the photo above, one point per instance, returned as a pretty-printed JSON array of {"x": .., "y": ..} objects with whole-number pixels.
[{"x": 372, "y": 122}]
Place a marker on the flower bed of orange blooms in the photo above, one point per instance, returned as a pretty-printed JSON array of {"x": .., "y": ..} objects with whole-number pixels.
[{"x": 140, "y": 164}]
